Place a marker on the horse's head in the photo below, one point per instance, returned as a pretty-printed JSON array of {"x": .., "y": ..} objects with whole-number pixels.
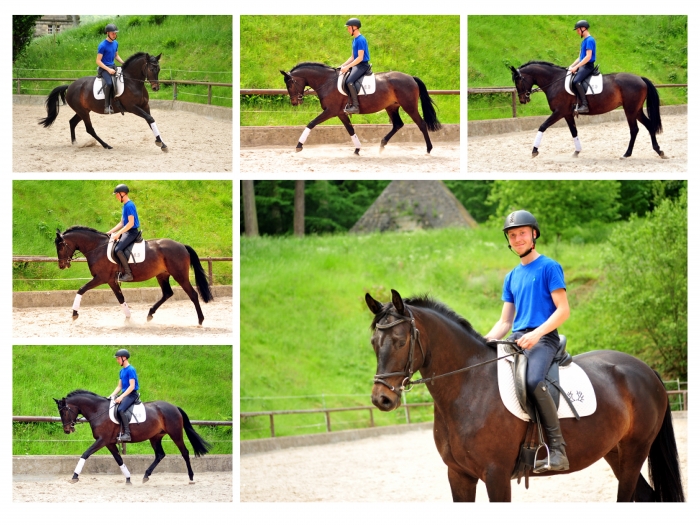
[
  {"x": 64, "y": 250},
  {"x": 295, "y": 88},
  {"x": 151, "y": 68},
  {"x": 523, "y": 85},
  {"x": 69, "y": 413},
  {"x": 394, "y": 341}
]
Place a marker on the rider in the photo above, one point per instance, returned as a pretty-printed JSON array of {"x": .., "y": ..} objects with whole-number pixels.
[
  {"x": 106, "y": 55},
  {"x": 359, "y": 61},
  {"x": 127, "y": 376},
  {"x": 583, "y": 66},
  {"x": 127, "y": 229},
  {"x": 535, "y": 305}
]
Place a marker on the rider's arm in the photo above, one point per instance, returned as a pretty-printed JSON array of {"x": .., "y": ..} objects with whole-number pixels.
[
  {"x": 130, "y": 388},
  {"x": 117, "y": 390},
  {"x": 118, "y": 58},
  {"x": 117, "y": 227},
  {"x": 555, "y": 320},
  {"x": 504, "y": 324},
  {"x": 128, "y": 225},
  {"x": 347, "y": 61},
  {"x": 360, "y": 57},
  {"x": 587, "y": 58},
  {"x": 98, "y": 61}
]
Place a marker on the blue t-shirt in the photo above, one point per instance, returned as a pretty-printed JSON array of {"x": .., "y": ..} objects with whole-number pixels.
[
  {"x": 128, "y": 373},
  {"x": 529, "y": 287},
  {"x": 586, "y": 44},
  {"x": 109, "y": 51},
  {"x": 130, "y": 209},
  {"x": 360, "y": 42}
]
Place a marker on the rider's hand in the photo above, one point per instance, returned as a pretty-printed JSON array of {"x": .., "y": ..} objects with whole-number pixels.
[
  {"x": 112, "y": 71},
  {"x": 118, "y": 400},
  {"x": 528, "y": 340}
]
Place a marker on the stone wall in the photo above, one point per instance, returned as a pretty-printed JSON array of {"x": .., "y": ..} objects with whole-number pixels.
[{"x": 48, "y": 23}]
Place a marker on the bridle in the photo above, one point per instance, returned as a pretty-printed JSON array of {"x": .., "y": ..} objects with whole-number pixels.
[
  {"x": 76, "y": 420},
  {"x": 73, "y": 257},
  {"x": 407, "y": 384},
  {"x": 537, "y": 89},
  {"x": 302, "y": 91}
]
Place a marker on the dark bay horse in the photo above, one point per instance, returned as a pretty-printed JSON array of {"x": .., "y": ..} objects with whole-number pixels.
[
  {"x": 137, "y": 71},
  {"x": 161, "y": 419},
  {"x": 394, "y": 90},
  {"x": 479, "y": 439},
  {"x": 619, "y": 89},
  {"x": 164, "y": 258}
]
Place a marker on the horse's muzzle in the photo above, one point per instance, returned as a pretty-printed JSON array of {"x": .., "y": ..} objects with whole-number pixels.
[{"x": 384, "y": 399}]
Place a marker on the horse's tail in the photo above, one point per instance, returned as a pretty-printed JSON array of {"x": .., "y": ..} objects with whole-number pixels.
[
  {"x": 199, "y": 445},
  {"x": 653, "y": 106},
  {"x": 428, "y": 107},
  {"x": 200, "y": 277},
  {"x": 664, "y": 469},
  {"x": 52, "y": 105}
]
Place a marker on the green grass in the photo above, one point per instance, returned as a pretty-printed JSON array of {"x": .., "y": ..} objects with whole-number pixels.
[
  {"x": 196, "y": 212},
  {"x": 305, "y": 324},
  {"x": 196, "y": 378},
  {"x": 655, "y": 47},
  {"x": 195, "y": 48},
  {"x": 422, "y": 46}
]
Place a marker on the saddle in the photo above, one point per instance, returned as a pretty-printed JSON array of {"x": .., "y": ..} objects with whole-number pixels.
[
  {"x": 365, "y": 85},
  {"x": 136, "y": 412},
  {"x": 117, "y": 81},
  {"x": 593, "y": 84},
  {"x": 134, "y": 252}
]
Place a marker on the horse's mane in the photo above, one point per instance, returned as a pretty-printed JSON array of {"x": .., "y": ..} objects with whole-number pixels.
[
  {"x": 85, "y": 393},
  {"x": 133, "y": 58},
  {"x": 541, "y": 63},
  {"x": 312, "y": 64},
  {"x": 84, "y": 228}
]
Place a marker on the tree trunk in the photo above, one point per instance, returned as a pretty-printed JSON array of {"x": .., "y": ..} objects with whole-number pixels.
[
  {"x": 299, "y": 208},
  {"x": 250, "y": 215}
]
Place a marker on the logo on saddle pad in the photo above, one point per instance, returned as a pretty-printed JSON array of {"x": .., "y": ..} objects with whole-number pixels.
[
  {"x": 369, "y": 85},
  {"x": 138, "y": 412},
  {"x": 137, "y": 255},
  {"x": 99, "y": 93},
  {"x": 572, "y": 379},
  {"x": 595, "y": 84}
]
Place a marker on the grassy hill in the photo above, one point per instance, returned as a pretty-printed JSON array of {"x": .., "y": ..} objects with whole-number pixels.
[
  {"x": 197, "y": 379},
  {"x": 193, "y": 47},
  {"x": 196, "y": 212},
  {"x": 655, "y": 47},
  {"x": 422, "y": 46}
]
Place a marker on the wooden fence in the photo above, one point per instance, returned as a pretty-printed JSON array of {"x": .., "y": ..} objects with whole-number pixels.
[{"x": 267, "y": 92}]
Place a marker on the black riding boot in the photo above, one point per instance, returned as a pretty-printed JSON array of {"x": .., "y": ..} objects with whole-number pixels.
[
  {"x": 355, "y": 106},
  {"x": 126, "y": 276},
  {"x": 108, "y": 93},
  {"x": 583, "y": 106},
  {"x": 550, "y": 420},
  {"x": 126, "y": 434}
]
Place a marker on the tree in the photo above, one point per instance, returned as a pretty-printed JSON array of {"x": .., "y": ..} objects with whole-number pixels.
[
  {"x": 22, "y": 31},
  {"x": 250, "y": 215},
  {"x": 299, "y": 208}
]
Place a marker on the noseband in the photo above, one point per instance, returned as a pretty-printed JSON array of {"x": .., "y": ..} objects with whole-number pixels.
[
  {"x": 75, "y": 420},
  {"x": 407, "y": 372}
]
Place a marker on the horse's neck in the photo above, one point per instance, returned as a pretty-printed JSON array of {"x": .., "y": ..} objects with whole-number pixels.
[
  {"x": 135, "y": 70},
  {"x": 90, "y": 406},
  {"x": 85, "y": 241},
  {"x": 315, "y": 79}
]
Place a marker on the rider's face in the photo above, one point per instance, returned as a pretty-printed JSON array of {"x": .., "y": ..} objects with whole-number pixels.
[
  {"x": 112, "y": 35},
  {"x": 521, "y": 239},
  {"x": 350, "y": 29}
]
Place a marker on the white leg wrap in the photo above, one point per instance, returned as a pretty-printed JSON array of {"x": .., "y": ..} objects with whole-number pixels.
[
  {"x": 125, "y": 471},
  {"x": 76, "y": 303},
  {"x": 79, "y": 468},
  {"x": 538, "y": 139},
  {"x": 356, "y": 141},
  {"x": 156, "y": 133},
  {"x": 304, "y": 135},
  {"x": 125, "y": 309},
  {"x": 577, "y": 144}
]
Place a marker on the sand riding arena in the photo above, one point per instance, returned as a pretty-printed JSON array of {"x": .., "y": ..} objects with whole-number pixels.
[{"x": 199, "y": 139}]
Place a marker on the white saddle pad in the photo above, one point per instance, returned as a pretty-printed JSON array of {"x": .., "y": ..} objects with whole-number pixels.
[
  {"x": 595, "y": 87},
  {"x": 138, "y": 252},
  {"x": 99, "y": 94},
  {"x": 138, "y": 416},
  {"x": 572, "y": 379},
  {"x": 369, "y": 85}
]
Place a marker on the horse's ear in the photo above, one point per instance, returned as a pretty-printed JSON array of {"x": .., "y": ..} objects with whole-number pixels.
[
  {"x": 58, "y": 234},
  {"x": 286, "y": 75},
  {"x": 398, "y": 302},
  {"x": 374, "y": 306},
  {"x": 158, "y": 57}
]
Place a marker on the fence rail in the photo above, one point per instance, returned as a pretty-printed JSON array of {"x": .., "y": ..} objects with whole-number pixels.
[
  {"x": 255, "y": 91},
  {"x": 45, "y": 259},
  {"x": 175, "y": 83},
  {"x": 514, "y": 94}
]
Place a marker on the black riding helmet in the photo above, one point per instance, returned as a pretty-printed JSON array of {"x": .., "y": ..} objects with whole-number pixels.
[
  {"x": 581, "y": 23},
  {"x": 122, "y": 353},
  {"x": 121, "y": 188},
  {"x": 520, "y": 218},
  {"x": 354, "y": 22},
  {"x": 111, "y": 28}
]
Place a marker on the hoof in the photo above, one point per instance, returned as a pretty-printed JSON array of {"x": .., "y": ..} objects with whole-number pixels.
[
  {"x": 149, "y": 318},
  {"x": 661, "y": 154},
  {"x": 575, "y": 153},
  {"x": 128, "y": 481},
  {"x": 164, "y": 149},
  {"x": 300, "y": 147},
  {"x": 191, "y": 482},
  {"x": 357, "y": 151},
  {"x": 107, "y": 146},
  {"x": 74, "y": 480},
  {"x": 535, "y": 153},
  {"x": 75, "y": 315},
  {"x": 159, "y": 143},
  {"x": 145, "y": 479}
]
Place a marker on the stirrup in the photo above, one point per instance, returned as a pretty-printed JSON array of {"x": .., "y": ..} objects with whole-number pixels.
[{"x": 543, "y": 468}]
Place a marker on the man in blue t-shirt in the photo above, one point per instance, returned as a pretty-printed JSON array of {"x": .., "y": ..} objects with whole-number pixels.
[
  {"x": 358, "y": 61},
  {"x": 128, "y": 385},
  {"x": 583, "y": 66},
  {"x": 106, "y": 55},
  {"x": 535, "y": 305},
  {"x": 126, "y": 231}
]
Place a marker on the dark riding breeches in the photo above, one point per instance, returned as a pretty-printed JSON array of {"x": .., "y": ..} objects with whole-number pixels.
[
  {"x": 106, "y": 76},
  {"x": 126, "y": 240},
  {"x": 357, "y": 71},
  {"x": 583, "y": 73},
  {"x": 128, "y": 401},
  {"x": 539, "y": 357}
]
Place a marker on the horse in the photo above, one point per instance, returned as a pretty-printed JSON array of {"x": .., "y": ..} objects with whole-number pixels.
[
  {"x": 164, "y": 258},
  {"x": 619, "y": 89},
  {"x": 479, "y": 439},
  {"x": 394, "y": 90},
  {"x": 161, "y": 418},
  {"x": 136, "y": 71}
]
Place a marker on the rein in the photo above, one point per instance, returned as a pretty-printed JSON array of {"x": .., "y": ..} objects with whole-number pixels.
[
  {"x": 540, "y": 89},
  {"x": 83, "y": 419},
  {"x": 73, "y": 257}
]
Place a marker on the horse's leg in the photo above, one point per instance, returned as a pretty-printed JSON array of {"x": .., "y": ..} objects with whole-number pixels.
[
  {"x": 634, "y": 129},
  {"x": 180, "y": 444},
  {"x": 327, "y": 113},
  {"x": 120, "y": 297},
  {"x": 91, "y": 131},
  {"x": 351, "y": 131},
  {"x": 112, "y": 447},
  {"x": 497, "y": 484},
  {"x": 397, "y": 124},
  {"x": 626, "y": 462},
  {"x": 411, "y": 107},
  {"x": 641, "y": 117},
  {"x": 160, "y": 454},
  {"x": 164, "y": 282},
  {"x": 462, "y": 485},
  {"x": 145, "y": 113},
  {"x": 95, "y": 281},
  {"x": 73, "y": 123},
  {"x": 97, "y": 445},
  {"x": 574, "y": 133},
  {"x": 553, "y": 118}
]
